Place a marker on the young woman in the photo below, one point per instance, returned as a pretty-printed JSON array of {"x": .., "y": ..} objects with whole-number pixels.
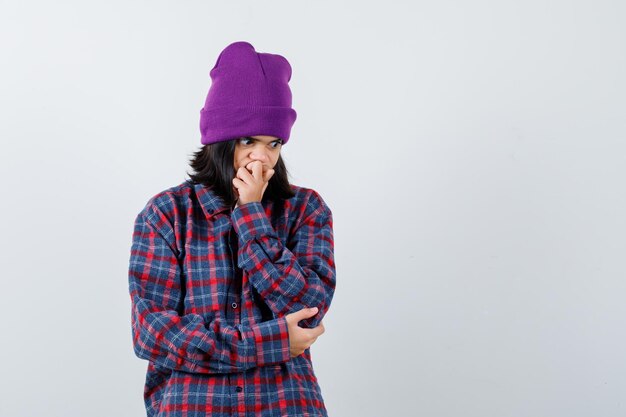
[{"x": 232, "y": 271}]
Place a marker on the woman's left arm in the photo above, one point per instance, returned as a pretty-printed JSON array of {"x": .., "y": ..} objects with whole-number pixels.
[{"x": 289, "y": 279}]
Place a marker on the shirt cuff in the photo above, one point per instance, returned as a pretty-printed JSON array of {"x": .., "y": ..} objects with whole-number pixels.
[
  {"x": 271, "y": 341},
  {"x": 249, "y": 220}
]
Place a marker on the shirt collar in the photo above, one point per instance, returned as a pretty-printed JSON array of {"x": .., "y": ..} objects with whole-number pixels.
[
  {"x": 213, "y": 204},
  {"x": 210, "y": 202}
]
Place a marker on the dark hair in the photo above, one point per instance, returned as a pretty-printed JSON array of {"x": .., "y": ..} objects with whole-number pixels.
[{"x": 213, "y": 166}]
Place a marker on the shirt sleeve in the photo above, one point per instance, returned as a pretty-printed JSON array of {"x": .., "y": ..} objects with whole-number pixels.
[
  {"x": 189, "y": 342},
  {"x": 288, "y": 278}
]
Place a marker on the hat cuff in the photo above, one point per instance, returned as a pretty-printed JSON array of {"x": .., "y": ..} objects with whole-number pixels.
[{"x": 226, "y": 123}]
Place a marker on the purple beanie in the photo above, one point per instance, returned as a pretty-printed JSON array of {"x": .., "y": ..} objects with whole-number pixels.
[{"x": 249, "y": 96}]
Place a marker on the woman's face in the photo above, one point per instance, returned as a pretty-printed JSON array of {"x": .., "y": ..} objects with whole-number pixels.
[{"x": 257, "y": 148}]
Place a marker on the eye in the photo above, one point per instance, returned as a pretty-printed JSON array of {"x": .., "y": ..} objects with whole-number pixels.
[
  {"x": 245, "y": 138},
  {"x": 278, "y": 144}
]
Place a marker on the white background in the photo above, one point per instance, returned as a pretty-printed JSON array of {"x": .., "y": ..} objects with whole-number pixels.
[{"x": 472, "y": 152}]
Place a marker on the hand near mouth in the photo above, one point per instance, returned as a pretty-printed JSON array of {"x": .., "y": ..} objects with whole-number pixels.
[{"x": 251, "y": 182}]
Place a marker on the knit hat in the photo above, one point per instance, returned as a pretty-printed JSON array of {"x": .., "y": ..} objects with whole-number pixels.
[{"x": 249, "y": 96}]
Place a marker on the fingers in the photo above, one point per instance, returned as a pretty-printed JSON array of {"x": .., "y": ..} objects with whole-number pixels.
[
  {"x": 319, "y": 330},
  {"x": 303, "y": 338},
  {"x": 315, "y": 332},
  {"x": 257, "y": 170},
  {"x": 244, "y": 175},
  {"x": 257, "y": 176},
  {"x": 312, "y": 336},
  {"x": 304, "y": 313},
  {"x": 237, "y": 183}
]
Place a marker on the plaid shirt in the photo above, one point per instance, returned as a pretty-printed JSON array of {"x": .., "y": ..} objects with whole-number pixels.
[{"x": 210, "y": 287}]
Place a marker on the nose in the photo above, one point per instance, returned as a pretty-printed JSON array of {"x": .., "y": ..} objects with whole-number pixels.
[{"x": 259, "y": 156}]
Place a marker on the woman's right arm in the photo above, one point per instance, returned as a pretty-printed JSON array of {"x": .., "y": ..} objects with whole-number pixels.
[{"x": 187, "y": 342}]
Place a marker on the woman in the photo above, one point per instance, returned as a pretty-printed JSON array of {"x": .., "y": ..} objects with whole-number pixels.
[{"x": 232, "y": 271}]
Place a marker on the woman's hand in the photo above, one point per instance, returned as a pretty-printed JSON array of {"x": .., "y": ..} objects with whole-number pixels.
[
  {"x": 251, "y": 182},
  {"x": 301, "y": 338}
]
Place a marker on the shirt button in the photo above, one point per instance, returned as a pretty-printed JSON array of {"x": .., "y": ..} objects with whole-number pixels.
[
  {"x": 234, "y": 305},
  {"x": 239, "y": 389}
]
